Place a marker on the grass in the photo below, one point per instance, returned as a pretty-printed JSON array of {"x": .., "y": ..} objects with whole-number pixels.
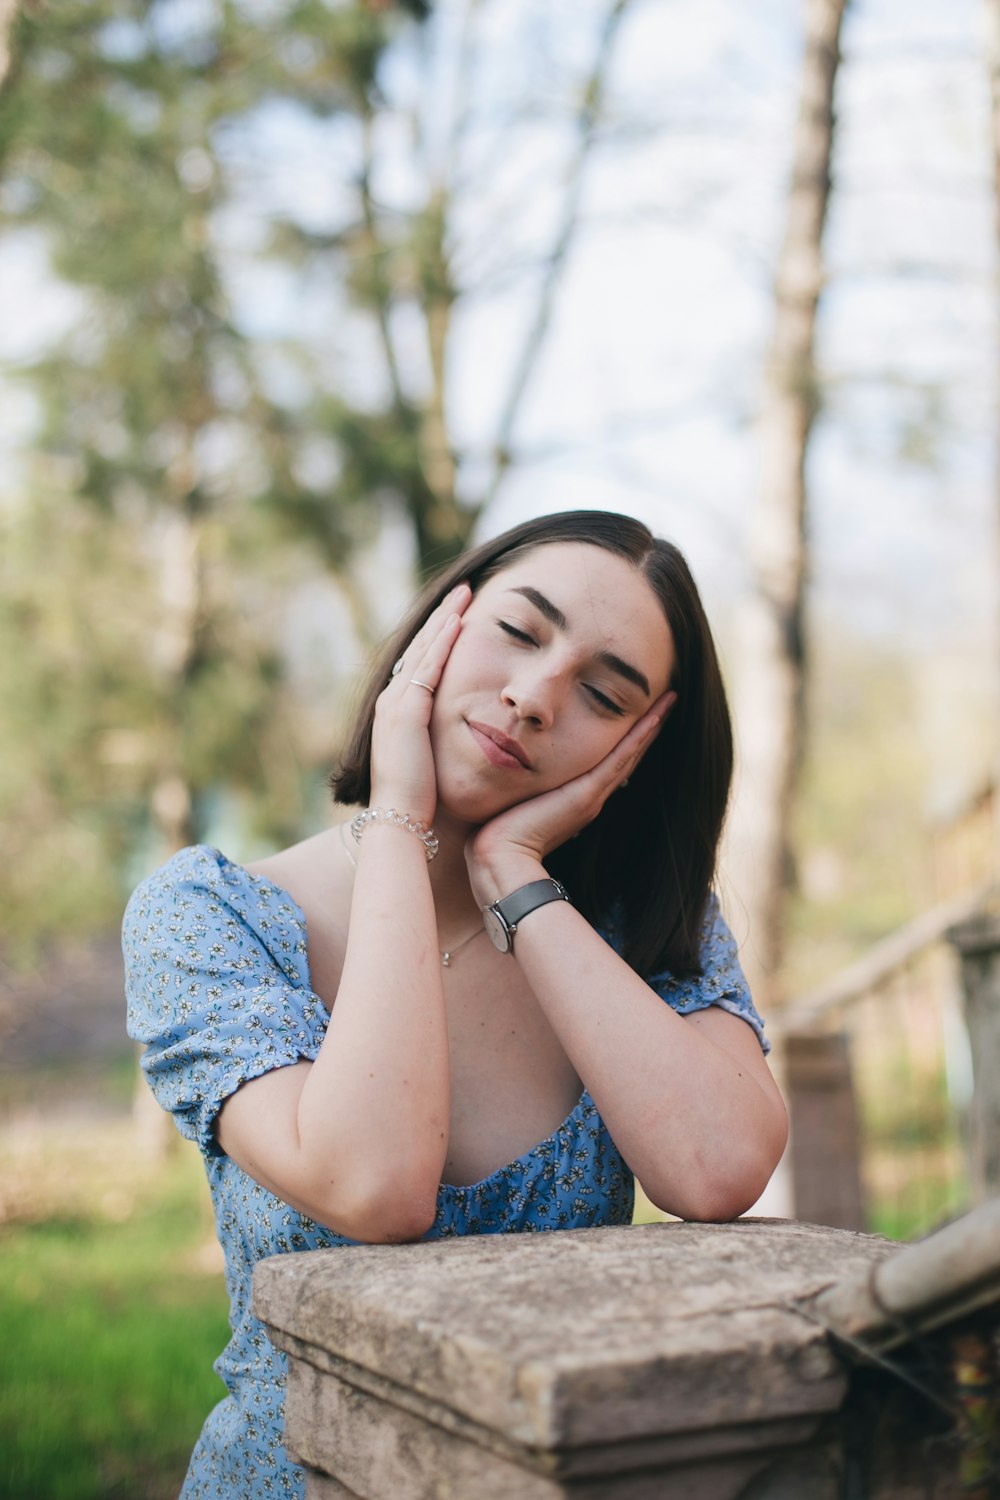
[
  {"x": 912, "y": 1191},
  {"x": 110, "y": 1327}
]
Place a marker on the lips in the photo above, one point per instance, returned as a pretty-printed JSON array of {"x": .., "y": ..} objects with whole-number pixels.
[{"x": 498, "y": 747}]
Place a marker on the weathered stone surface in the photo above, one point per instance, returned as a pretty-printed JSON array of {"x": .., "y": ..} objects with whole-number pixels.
[
  {"x": 380, "y": 1450},
  {"x": 588, "y": 1363}
]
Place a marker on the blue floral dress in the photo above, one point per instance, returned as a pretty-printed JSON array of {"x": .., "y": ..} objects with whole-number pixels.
[{"x": 217, "y": 983}]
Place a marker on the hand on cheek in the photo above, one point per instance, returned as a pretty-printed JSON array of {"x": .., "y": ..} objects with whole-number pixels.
[{"x": 510, "y": 849}]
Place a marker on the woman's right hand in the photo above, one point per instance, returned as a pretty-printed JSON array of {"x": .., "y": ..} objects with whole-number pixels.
[{"x": 402, "y": 764}]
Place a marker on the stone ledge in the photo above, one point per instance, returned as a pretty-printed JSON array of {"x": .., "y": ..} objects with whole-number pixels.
[{"x": 527, "y": 1366}]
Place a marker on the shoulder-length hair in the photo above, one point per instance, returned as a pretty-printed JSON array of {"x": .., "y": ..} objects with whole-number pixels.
[{"x": 645, "y": 865}]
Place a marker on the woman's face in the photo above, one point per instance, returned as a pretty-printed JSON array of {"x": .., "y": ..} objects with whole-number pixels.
[{"x": 559, "y": 655}]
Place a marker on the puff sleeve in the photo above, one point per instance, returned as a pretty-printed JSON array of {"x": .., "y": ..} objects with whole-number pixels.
[
  {"x": 217, "y": 985},
  {"x": 721, "y": 981}
]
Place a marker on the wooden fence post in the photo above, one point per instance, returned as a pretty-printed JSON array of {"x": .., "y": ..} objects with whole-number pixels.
[
  {"x": 977, "y": 943},
  {"x": 824, "y": 1135}
]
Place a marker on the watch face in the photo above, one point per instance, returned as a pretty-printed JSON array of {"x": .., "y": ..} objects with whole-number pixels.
[{"x": 496, "y": 927}]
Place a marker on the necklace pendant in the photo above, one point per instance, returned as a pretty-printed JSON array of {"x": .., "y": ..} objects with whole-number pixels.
[{"x": 446, "y": 960}]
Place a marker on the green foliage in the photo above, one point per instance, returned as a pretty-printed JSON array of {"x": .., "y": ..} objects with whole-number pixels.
[
  {"x": 89, "y": 719},
  {"x": 139, "y": 566},
  {"x": 215, "y": 447},
  {"x": 118, "y": 133},
  {"x": 69, "y": 683},
  {"x": 115, "y": 1329}
]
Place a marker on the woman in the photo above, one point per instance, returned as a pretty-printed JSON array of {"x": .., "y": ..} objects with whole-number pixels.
[{"x": 446, "y": 1016}]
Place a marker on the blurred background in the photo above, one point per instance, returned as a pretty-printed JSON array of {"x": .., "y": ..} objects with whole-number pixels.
[{"x": 298, "y": 298}]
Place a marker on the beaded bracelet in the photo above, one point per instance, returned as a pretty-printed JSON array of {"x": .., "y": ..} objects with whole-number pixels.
[{"x": 389, "y": 816}]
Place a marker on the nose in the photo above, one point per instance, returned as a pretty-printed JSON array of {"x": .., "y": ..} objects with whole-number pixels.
[{"x": 532, "y": 694}]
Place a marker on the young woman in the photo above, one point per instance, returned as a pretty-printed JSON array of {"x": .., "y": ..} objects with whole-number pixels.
[{"x": 500, "y": 990}]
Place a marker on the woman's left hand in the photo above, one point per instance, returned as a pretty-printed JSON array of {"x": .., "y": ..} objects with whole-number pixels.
[{"x": 508, "y": 851}]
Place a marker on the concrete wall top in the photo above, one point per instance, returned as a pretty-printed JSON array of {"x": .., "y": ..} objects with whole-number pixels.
[{"x": 582, "y": 1336}]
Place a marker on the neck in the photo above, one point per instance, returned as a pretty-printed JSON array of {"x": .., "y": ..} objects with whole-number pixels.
[{"x": 457, "y": 910}]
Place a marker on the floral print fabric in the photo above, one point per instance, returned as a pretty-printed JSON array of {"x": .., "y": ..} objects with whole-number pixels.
[{"x": 217, "y": 985}]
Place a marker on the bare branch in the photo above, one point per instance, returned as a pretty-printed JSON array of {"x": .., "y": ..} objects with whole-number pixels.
[
  {"x": 770, "y": 698},
  {"x": 587, "y": 119}
]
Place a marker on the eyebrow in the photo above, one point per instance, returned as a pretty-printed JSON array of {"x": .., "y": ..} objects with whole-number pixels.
[{"x": 555, "y": 616}]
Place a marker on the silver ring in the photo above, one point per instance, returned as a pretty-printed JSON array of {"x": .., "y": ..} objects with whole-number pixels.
[
  {"x": 417, "y": 683},
  {"x": 397, "y": 667}
]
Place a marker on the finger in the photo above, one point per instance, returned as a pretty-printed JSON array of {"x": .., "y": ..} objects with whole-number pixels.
[
  {"x": 618, "y": 766},
  {"x": 648, "y": 727},
  {"x": 457, "y": 601},
  {"x": 427, "y": 673},
  {"x": 629, "y": 750}
]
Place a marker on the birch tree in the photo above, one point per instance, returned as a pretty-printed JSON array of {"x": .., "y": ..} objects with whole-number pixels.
[
  {"x": 769, "y": 700},
  {"x": 993, "y": 73}
]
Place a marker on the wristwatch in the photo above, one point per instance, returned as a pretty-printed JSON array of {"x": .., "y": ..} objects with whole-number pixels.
[{"x": 502, "y": 919}]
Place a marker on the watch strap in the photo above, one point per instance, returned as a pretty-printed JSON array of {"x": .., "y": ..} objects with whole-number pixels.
[{"x": 527, "y": 898}]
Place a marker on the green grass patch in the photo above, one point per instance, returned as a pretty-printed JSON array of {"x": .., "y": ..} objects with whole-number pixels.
[{"x": 109, "y": 1334}]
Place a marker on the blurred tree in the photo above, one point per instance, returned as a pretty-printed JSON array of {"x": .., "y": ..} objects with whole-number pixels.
[
  {"x": 156, "y": 399},
  {"x": 208, "y": 435},
  {"x": 769, "y": 700},
  {"x": 69, "y": 683}
]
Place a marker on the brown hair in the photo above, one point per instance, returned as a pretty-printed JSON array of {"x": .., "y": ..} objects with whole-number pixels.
[{"x": 645, "y": 865}]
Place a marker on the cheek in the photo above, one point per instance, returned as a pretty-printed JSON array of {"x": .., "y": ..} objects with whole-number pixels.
[
  {"x": 601, "y": 744},
  {"x": 582, "y": 747},
  {"x": 464, "y": 678},
  {"x": 474, "y": 660}
]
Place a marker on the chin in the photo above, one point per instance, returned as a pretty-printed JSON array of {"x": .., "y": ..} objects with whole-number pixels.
[{"x": 474, "y": 805}]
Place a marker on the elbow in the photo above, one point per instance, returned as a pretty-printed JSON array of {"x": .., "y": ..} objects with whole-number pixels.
[
  {"x": 389, "y": 1209},
  {"x": 719, "y": 1202},
  {"x": 716, "y": 1192}
]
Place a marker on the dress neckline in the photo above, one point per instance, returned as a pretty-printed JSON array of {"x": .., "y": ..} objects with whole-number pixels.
[{"x": 452, "y": 1188}]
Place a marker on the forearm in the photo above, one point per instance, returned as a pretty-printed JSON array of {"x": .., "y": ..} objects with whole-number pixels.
[
  {"x": 701, "y": 1124},
  {"x": 374, "y": 1109}
]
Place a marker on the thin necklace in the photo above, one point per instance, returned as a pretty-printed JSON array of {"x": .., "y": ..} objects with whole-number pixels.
[{"x": 447, "y": 954}]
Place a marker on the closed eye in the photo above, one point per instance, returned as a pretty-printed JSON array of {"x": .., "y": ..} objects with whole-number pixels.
[
  {"x": 519, "y": 635},
  {"x": 606, "y": 703},
  {"x": 601, "y": 700}
]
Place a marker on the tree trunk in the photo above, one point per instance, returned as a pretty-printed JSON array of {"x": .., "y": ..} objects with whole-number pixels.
[
  {"x": 444, "y": 528},
  {"x": 181, "y": 617},
  {"x": 769, "y": 699},
  {"x": 8, "y": 10},
  {"x": 182, "y": 613},
  {"x": 993, "y": 70}
]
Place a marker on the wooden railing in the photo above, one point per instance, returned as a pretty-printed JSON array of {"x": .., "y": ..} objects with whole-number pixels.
[{"x": 893, "y": 1103}]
